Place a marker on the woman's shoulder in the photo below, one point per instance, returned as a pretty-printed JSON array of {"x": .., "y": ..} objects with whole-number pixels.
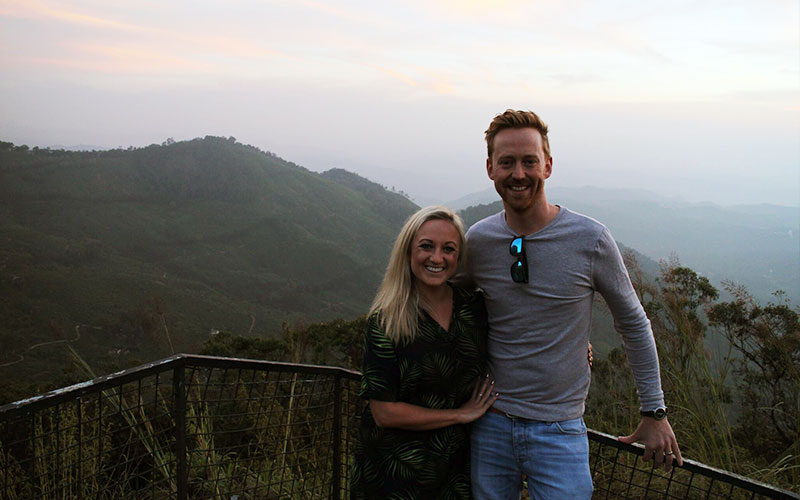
[
  {"x": 467, "y": 295},
  {"x": 466, "y": 292},
  {"x": 375, "y": 322}
]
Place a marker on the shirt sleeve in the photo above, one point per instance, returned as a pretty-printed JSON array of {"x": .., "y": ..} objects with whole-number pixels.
[
  {"x": 614, "y": 284},
  {"x": 380, "y": 374}
]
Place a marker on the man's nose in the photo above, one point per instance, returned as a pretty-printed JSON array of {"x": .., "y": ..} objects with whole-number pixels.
[{"x": 518, "y": 172}]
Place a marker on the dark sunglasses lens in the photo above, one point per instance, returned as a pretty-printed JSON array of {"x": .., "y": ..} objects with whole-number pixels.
[
  {"x": 516, "y": 247},
  {"x": 518, "y": 274},
  {"x": 519, "y": 269}
]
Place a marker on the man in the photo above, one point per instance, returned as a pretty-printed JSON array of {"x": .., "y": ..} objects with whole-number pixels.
[{"x": 539, "y": 266}]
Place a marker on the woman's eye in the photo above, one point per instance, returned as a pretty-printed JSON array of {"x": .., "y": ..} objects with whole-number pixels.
[
  {"x": 425, "y": 246},
  {"x": 449, "y": 249}
]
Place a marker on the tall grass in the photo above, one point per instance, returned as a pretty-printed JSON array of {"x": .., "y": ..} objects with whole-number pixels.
[
  {"x": 699, "y": 379},
  {"x": 120, "y": 443}
]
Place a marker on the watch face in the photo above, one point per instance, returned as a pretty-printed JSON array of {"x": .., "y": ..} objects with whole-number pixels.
[{"x": 660, "y": 413}]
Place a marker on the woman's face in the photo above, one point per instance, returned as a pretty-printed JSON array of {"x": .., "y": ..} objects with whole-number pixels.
[{"x": 434, "y": 253}]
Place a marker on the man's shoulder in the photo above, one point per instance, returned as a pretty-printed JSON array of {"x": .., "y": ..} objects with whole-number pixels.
[
  {"x": 488, "y": 224},
  {"x": 578, "y": 222}
]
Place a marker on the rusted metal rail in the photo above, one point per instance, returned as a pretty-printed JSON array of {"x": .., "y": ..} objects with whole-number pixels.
[{"x": 207, "y": 427}]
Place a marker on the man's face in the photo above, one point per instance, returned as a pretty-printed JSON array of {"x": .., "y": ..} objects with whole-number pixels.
[{"x": 518, "y": 167}]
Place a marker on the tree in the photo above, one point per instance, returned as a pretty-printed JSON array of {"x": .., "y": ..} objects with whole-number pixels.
[
  {"x": 730, "y": 373},
  {"x": 768, "y": 387},
  {"x": 682, "y": 292},
  {"x": 337, "y": 342}
]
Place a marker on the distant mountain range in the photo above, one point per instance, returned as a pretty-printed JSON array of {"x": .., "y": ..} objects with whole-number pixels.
[
  {"x": 757, "y": 246},
  {"x": 129, "y": 255},
  {"x": 186, "y": 239}
]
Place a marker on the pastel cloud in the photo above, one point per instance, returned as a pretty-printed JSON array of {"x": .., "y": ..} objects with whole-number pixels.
[{"x": 38, "y": 10}]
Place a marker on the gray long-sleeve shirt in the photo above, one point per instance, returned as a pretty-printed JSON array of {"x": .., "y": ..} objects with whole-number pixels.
[{"x": 538, "y": 331}]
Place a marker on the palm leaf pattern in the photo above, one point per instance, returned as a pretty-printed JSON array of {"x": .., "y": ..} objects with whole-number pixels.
[
  {"x": 436, "y": 401},
  {"x": 428, "y": 331},
  {"x": 441, "y": 444},
  {"x": 378, "y": 341},
  {"x": 437, "y": 370},
  {"x": 467, "y": 346},
  {"x": 456, "y": 488},
  {"x": 410, "y": 372},
  {"x": 404, "y": 495},
  {"x": 403, "y": 460}
]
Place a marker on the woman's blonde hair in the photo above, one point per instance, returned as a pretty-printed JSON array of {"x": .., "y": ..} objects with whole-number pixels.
[{"x": 397, "y": 301}]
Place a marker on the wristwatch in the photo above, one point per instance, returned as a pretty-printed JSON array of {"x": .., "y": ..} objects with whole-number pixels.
[{"x": 658, "y": 413}]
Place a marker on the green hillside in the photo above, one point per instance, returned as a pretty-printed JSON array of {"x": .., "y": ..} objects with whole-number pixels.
[{"x": 183, "y": 238}]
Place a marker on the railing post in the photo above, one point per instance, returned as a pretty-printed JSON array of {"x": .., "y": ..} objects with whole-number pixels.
[
  {"x": 336, "y": 483},
  {"x": 79, "y": 472},
  {"x": 179, "y": 389}
]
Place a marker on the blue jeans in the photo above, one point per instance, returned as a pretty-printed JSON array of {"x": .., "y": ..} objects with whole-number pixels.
[{"x": 554, "y": 456}]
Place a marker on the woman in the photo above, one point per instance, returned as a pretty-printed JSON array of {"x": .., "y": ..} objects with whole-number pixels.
[{"x": 424, "y": 369}]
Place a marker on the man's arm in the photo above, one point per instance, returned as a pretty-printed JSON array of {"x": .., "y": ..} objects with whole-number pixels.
[{"x": 612, "y": 281}]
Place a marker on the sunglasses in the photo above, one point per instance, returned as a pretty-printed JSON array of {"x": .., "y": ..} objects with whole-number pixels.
[{"x": 519, "y": 269}]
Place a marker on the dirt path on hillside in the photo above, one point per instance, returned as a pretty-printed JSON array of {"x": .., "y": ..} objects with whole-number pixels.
[{"x": 64, "y": 341}]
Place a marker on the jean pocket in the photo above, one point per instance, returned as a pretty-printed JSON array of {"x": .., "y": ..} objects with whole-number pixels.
[{"x": 574, "y": 427}]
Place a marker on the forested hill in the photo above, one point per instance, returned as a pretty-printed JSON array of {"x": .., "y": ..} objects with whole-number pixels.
[{"x": 182, "y": 238}]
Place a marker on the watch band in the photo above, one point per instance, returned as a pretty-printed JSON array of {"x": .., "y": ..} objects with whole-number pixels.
[{"x": 658, "y": 413}]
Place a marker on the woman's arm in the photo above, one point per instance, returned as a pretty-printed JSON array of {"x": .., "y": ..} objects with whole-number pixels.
[{"x": 418, "y": 418}]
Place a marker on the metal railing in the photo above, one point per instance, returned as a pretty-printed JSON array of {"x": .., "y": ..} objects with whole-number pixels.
[{"x": 207, "y": 427}]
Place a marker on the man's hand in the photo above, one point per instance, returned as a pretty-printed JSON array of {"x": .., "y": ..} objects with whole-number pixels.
[{"x": 659, "y": 442}]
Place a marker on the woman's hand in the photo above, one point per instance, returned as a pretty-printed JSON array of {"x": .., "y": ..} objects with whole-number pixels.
[{"x": 483, "y": 397}]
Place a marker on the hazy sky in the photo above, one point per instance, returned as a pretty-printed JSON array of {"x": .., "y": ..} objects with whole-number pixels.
[{"x": 693, "y": 99}]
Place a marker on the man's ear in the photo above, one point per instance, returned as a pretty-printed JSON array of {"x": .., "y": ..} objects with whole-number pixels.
[
  {"x": 489, "y": 169},
  {"x": 548, "y": 168}
]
